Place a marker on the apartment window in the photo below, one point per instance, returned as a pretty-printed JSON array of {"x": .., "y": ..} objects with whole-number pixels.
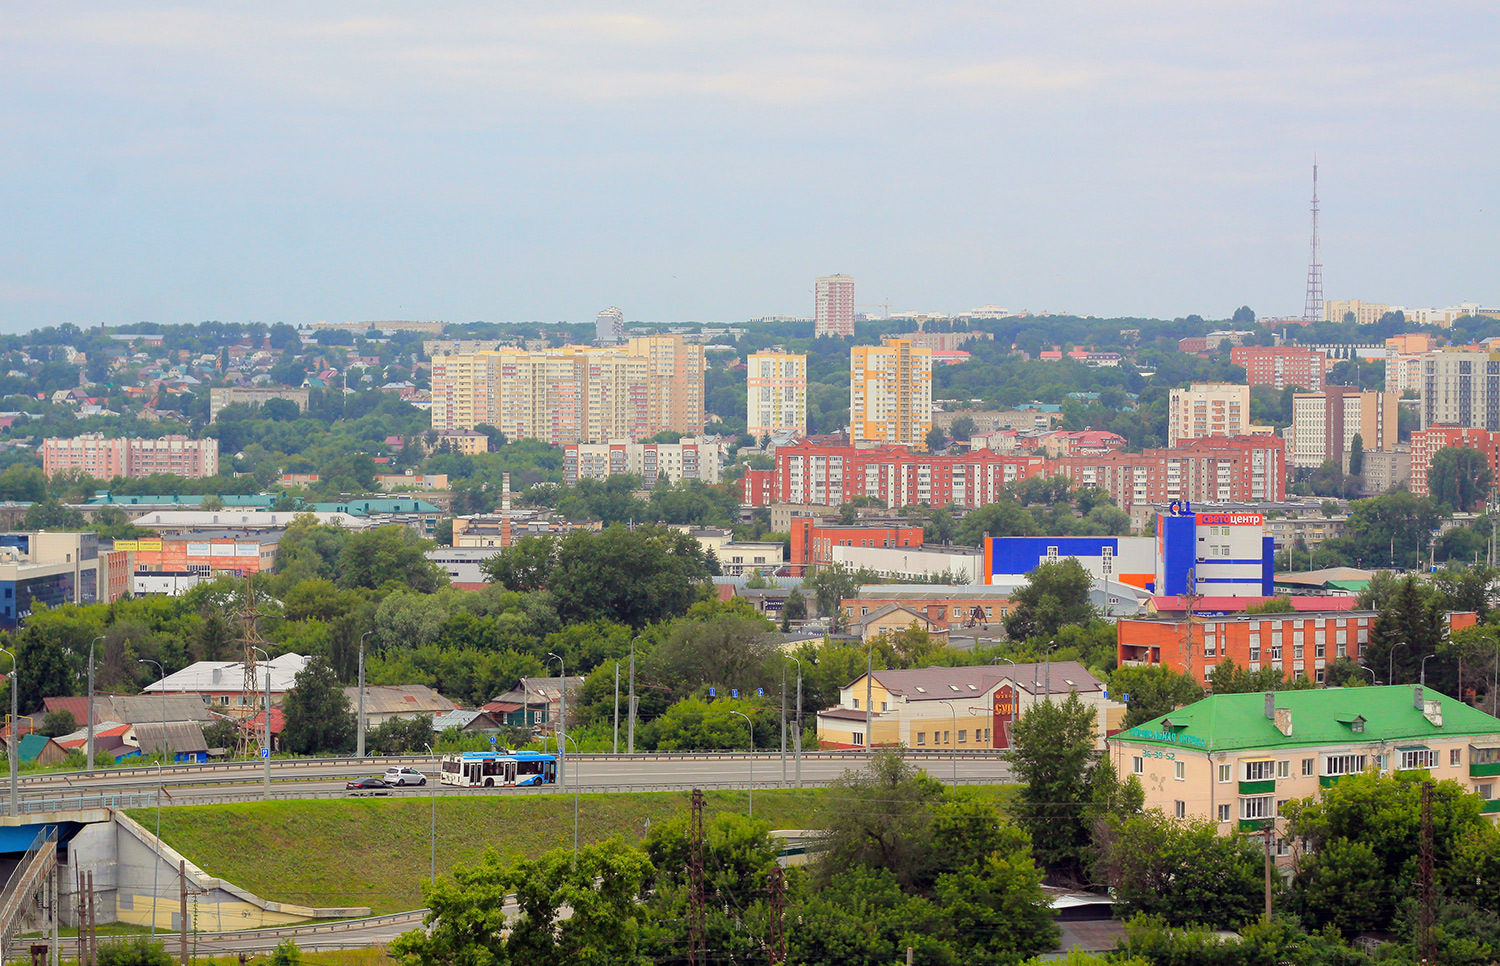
[
  {"x": 1485, "y": 791},
  {"x": 1138, "y": 765},
  {"x": 856, "y": 704},
  {"x": 1455, "y": 756},
  {"x": 1254, "y": 651},
  {"x": 1276, "y": 651},
  {"x": 1318, "y": 651},
  {"x": 1415, "y": 758},
  {"x": 1179, "y": 770},
  {"x": 1284, "y": 769},
  {"x": 1260, "y": 771},
  {"x": 963, "y": 735},
  {"x": 1181, "y": 808},
  {"x": 1309, "y": 765},
  {"x": 1296, "y": 652},
  {"x": 1343, "y": 764},
  {"x": 921, "y": 737},
  {"x": 858, "y": 738},
  {"x": 885, "y": 706},
  {"x": 1226, "y": 812},
  {"x": 947, "y": 737},
  {"x": 1256, "y": 807},
  {"x": 1226, "y": 773}
]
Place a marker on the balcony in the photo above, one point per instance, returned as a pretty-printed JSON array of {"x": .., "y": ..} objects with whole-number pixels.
[
  {"x": 1328, "y": 781},
  {"x": 1258, "y": 788},
  {"x": 1256, "y": 824},
  {"x": 1491, "y": 806},
  {"x": 1484, "y": 770}
]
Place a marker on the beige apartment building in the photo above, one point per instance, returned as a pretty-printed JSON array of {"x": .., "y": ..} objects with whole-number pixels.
[
  {"x": 573, "y": 394},
  {"x": 1237, "y": 759},
  {"x": 890, "y": 394},
  {"x": 1208, "y": 409},
  {"x": 776, "y": 393},
  {"x": 1461, "y": 387},
  {"x": 1325, "y": 423}
]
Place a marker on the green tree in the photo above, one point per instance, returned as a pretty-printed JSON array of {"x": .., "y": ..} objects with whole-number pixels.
[
  {"x": 693, "y": 724},
  {"x": 1056, "y": 594},
  {"x": 390, "y": 554},
  {"x": 1408, "y": 628},
  {"x": 467, "y": 924},
  {"x": 1154, "y": 689},
  {"x": 795, "y": 609},
  {"x": 880, "y": 817},
  {"x": 936, "y": 439},
  {"x": 1052, "y": 757},
  {"x": 962, "y": 428},
  {"x": 400, "y": 736},
  {"x": 317, "y": 715},
  {"x": 133, "y": 951},
  {"x": 1184, "y": 872},
  {"x": 1003, "y": 518},
  {"x": 57, "y": 723},
  {"x": 1357, "y": 455},
  {"x": 1459, "y": 477}
]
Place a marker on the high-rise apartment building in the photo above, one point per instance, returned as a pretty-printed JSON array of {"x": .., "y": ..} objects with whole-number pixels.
[
  {"x": 834, "y": 306},
  {"x": 105, "y": 459},
  {"x": 1208, "y": 409},
  {"x": 609, "y": 327},
  {"x": 890, "y": 394},
  {"x": 1280, "y": 367},
  {"x": 776, "y": 393},
  {"x": 1461, "y": 387},
  {"x": 573, "y": 394},
  {"x": 1426, "y": 443},
  {"x": 1325, "y": 423}
]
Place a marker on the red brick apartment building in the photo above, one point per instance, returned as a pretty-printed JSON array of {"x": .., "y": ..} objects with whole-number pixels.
[
  {"x": 1426, "y": 443},
  {"x": 1281, "y": 366},
  {"x": 1296, "y": 643},
  {"x": 813, "y": 541}
]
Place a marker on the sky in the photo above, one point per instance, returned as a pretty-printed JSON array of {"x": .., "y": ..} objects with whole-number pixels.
[{"x": 501, "y": 161}]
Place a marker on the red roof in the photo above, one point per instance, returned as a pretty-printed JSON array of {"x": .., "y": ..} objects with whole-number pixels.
[
  {"x": 500, "y": 707},
  {"x": 1236, "y": 605},
  {"x": 469, "y": 585},
  {"x": 278, "y": 721}
]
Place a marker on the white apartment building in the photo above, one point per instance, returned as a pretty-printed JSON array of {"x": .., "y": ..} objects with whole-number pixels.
[
  {"x": 696, "y": 458},
  {"x": 1325, "y": 423},
  {"x": 1208, "y": 409},
  {"x": 834, "y": 306},
  {"x": 609, "y": 327},
  {"x": 776, "y": 393},
  {"x": 1461, "y": 387}
]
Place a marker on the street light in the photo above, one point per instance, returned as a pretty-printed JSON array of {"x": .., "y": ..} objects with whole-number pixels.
[
  {"x": 1423, "y": 677},
  {"x": 265, "y": 752},
  {"x": 561, "y": 727},
  {"x": 566, "y": 739},
  {"x": 433, "y": 835},
  {"x": 1372, "y": 673},
  {"x": 90, "y": 765},
  {"x": 751, "y": 726},
  {"x": 15, "y": 667},
  {"x": 160, "y": 754},
  {"x": 954, "y": 738},
  {"x": 1050, "y": 647},
  {"x": 1390, "y": 663},
  {"x": 359, "y": 720}
]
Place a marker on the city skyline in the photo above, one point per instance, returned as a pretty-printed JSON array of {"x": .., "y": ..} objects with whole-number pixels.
[{"x": 177, "y": 164}]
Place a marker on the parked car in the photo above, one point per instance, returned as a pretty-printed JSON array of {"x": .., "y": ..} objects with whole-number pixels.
[
  {"x": 404, "y": 775},
  {"x": 368, "y": 782}
]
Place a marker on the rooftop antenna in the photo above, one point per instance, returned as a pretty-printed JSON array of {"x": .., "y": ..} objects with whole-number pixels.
[{"x": 1312, "y": 309}]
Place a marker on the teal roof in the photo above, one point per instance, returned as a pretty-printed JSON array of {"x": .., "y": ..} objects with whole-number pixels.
[
  {"x": 377, "y": 505},
  {"x": 1320, "y": 716},
  {"x": 179, "y": 499},
  {"x": 31, "y": 745}
]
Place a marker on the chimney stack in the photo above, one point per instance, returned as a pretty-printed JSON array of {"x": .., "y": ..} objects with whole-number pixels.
[
  {"x": 1284, "y": 721},
  {"x": 1416, "y": 697},
  {"x": 505, "y": 509},
  {"x": 1271, "y": 705}
]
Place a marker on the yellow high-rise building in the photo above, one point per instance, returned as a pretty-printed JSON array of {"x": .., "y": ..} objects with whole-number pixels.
[
  {"x": 890, "y": 394},
  {"x": 775, "y": 393}
]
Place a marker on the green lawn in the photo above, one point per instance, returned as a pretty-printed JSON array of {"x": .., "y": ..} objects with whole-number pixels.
[{"x": 375, "y": 851}]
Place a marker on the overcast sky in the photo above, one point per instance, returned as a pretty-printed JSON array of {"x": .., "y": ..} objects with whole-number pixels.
[{"x": 707, "y": 161}]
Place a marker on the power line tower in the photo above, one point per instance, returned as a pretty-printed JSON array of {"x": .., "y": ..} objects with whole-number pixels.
[
  {"x": 776, "y": 938},
  {"x": 250, "y": 692},
  {"x": 696, "y": 885},
  {"x": 1312, "y": 309}
]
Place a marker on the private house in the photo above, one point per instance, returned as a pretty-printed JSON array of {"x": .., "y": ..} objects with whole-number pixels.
[
  {"x": 388, "y": 701},
  {"x": 1236, "y": 759}
]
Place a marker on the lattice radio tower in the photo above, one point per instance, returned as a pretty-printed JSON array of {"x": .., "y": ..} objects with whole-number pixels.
[
  {"x": 1312, "y": 309},
  {"x": 250, "y": 694}
]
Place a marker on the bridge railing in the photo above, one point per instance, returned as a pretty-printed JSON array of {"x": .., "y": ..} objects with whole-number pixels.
[{"x": 37, "y": 862}]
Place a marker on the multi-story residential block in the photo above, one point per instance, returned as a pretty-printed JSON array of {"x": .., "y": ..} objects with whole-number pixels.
[
  {"x": 992, "y": 420},
  {"x": 464, "y": 441},
  {"x": 701, "y": 458},
  {"x": 1403, "y": 373},
  {"x": 1461, "y": 387},
  {"x": 1365, "y": 313},
  {"x": 1280, "y": 367},
  {"x": 890, "y": 394},
  {"x": 1208, "y": 409},
  {"x": 1241, "y": 469},
  {"x": 833, "y": 313},
  {"x": 776, "y": 393},
  {"x": 1236, "y": 759},
  {"x": 574, "y": 394},
  {"x": 1325, "y": 423},
  {"x": 105, "y": 458},
  {"x": 1425, "y": 444},
  {"x": 1300, "y": 643},
  {"x": 1387, "y": 471},
  {"x": 218, "y": 399},
  {"x": 609, "y": 327}
]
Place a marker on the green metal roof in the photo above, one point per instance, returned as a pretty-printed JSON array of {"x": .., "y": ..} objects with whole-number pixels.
[
  {"x": 1320, "y": 716},
  {"x": 183, "y": 499}
]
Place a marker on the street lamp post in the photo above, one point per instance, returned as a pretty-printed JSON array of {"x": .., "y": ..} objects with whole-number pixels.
[
  {"x": 796, "y": 738},
  {"x": 617, "y": 708},
  {"x": 953, "y": 739},
  {"x": 160, "y": 754},
  {"x": 750, "y": 725},
  {"x": 1372, "y": 673},
  {"x": 432, "y": 835},
  {"x": 1050, "y": 647},
  {"x": 566, "y": 739},
  {"x": 90, "y": 749},
  {"x": 265, "y": 751},
  {"x": 15, "y": 667},
  {"x": 1423, "y": 677},
  {"x": 359, "y": 718},
  {"x": 561, "y": 728},
  {"x": 869, "y": 692},
  {"x": 1390, "y": 663}
]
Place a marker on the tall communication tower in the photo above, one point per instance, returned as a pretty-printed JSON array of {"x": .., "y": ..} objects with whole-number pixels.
[{"x": 1312, "y": 310}]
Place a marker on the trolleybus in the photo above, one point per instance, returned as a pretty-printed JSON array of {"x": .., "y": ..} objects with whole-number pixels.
[{"x": 489, "y": 769}]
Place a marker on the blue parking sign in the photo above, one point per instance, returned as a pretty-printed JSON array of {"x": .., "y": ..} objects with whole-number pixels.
[
  {"x": 265, "y": 753},
  {"x": 734, "y": 692},
  {"x": 713, "y": 692}
]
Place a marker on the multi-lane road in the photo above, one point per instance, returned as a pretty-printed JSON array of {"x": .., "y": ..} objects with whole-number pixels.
[{"x": 587, "y": 773}]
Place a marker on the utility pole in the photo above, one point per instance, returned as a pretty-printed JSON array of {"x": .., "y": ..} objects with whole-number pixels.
[
  {"x": 561, "y": 728},
  {"x": 161, "y": 754},
  {"x": 630, "y": 702},
  {"x": 617, "y": 708},
  {"x": 359, "y": 723},
  {"x": 1426, "y": 895},
  {"x": 797, "y": 735},
  {"x": 1270, "y": 831},
  {"x": 93, "y": 925},
  {"x": 182, "y": 912},
  {"x": 89, "y": 764},
  {"x": 869, "y": 690},
  {"x": 10, "y": 745},
  {"x": 776, "y": 941},
  {"x": 696, "y": 952}
]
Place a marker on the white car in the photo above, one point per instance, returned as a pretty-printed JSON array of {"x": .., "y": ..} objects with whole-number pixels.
[{"x": 405, "y": 775}]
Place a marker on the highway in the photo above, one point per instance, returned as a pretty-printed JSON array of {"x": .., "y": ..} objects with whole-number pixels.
[{"x": 324, "y": 778}]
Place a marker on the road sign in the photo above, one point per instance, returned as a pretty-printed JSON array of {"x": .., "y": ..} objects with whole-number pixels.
[
  {"x": 760, "y": 692},
  {"x": 713, "y": 692},
  {"x": 265, "y": 753},
  {"x": 1127, "y": 697},
  {"x": 734, "y": 692},
  {"x": 492, "y": 741}
]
